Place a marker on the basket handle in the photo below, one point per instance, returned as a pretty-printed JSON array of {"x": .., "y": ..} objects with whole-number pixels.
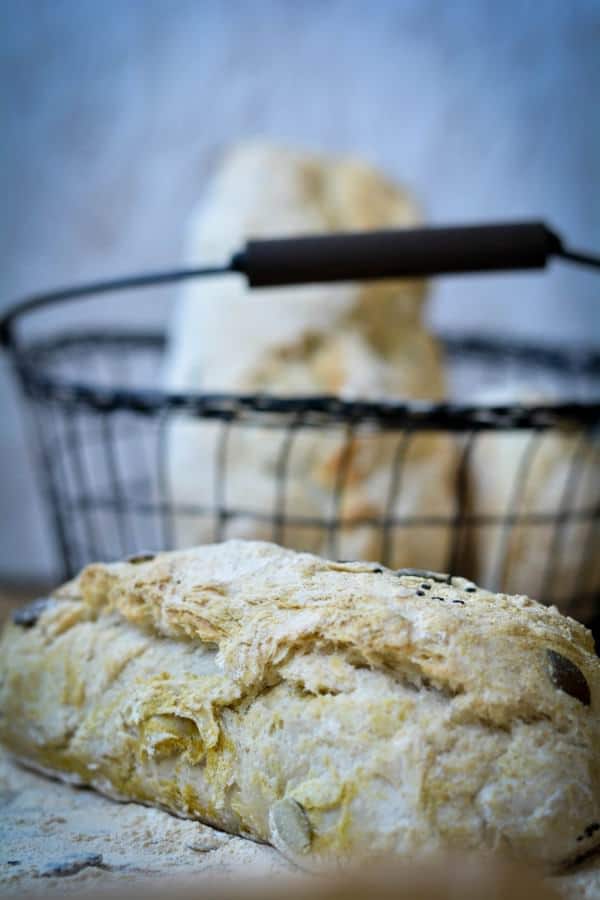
[
  {"x": 404, "y": 253},
  {"x": 407, "y": 253}
]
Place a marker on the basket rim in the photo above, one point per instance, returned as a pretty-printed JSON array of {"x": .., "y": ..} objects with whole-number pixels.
[{"x": 314, "y": 409}]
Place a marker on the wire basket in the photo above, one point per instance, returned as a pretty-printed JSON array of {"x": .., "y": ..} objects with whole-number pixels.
[{"x": 103, "y": 435}]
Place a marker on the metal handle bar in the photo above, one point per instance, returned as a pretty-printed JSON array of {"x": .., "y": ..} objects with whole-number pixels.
[{"x": 399, "y": 253}]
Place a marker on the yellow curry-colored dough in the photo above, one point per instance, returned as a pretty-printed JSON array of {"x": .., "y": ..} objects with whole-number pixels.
[{"x": 335, "y": 710}]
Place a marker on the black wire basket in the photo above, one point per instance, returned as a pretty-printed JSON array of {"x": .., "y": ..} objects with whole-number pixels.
[{"x": 103, "y": 437}]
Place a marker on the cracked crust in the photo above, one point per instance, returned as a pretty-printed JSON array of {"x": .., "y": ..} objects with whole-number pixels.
[{"x": 400, "y": 713}]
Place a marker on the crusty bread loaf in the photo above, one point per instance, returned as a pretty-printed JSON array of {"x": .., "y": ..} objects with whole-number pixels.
[
  {"x": 335, "y": 710},
  {"x": 362, "y": 341}
]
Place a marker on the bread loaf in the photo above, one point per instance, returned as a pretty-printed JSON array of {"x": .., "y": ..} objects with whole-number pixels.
[
  {"x": 538, "y": 492},
  {"x": 363, "y": 341},
  {"x": 335, "y": 710},
  {"x": 226, "y": 337}
]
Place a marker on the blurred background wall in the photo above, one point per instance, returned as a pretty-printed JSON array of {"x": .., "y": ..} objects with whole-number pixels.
[{"x": 113, "y": 114}]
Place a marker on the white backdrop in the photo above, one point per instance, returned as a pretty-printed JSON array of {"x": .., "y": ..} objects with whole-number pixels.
[{"x": 114, "y": 112}]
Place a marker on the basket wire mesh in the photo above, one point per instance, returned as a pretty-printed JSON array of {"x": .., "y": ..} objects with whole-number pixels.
[
  {"x": 102, "y": 440},
  {"x": 103, "y": 450}
]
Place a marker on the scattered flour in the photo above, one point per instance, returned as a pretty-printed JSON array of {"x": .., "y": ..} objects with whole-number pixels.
[
  {"x": 56, "y": 839},
  {"x": 63, "y": 839}
]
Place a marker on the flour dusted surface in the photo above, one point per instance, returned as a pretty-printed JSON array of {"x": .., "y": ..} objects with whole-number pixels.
[{"x": 48, "y": 827}]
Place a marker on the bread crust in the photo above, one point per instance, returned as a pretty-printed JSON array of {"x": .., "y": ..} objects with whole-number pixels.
[{"x": 333, "y": 709}]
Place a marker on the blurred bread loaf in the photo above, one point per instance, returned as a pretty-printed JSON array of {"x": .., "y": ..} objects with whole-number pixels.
[
  {"x": 543, "y": 488},
  {"x": 227, "y": 337},
  {"x": 351, "y": 340}
]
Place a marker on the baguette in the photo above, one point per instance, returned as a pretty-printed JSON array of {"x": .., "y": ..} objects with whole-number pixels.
[{"x": 335, "y": 710}]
